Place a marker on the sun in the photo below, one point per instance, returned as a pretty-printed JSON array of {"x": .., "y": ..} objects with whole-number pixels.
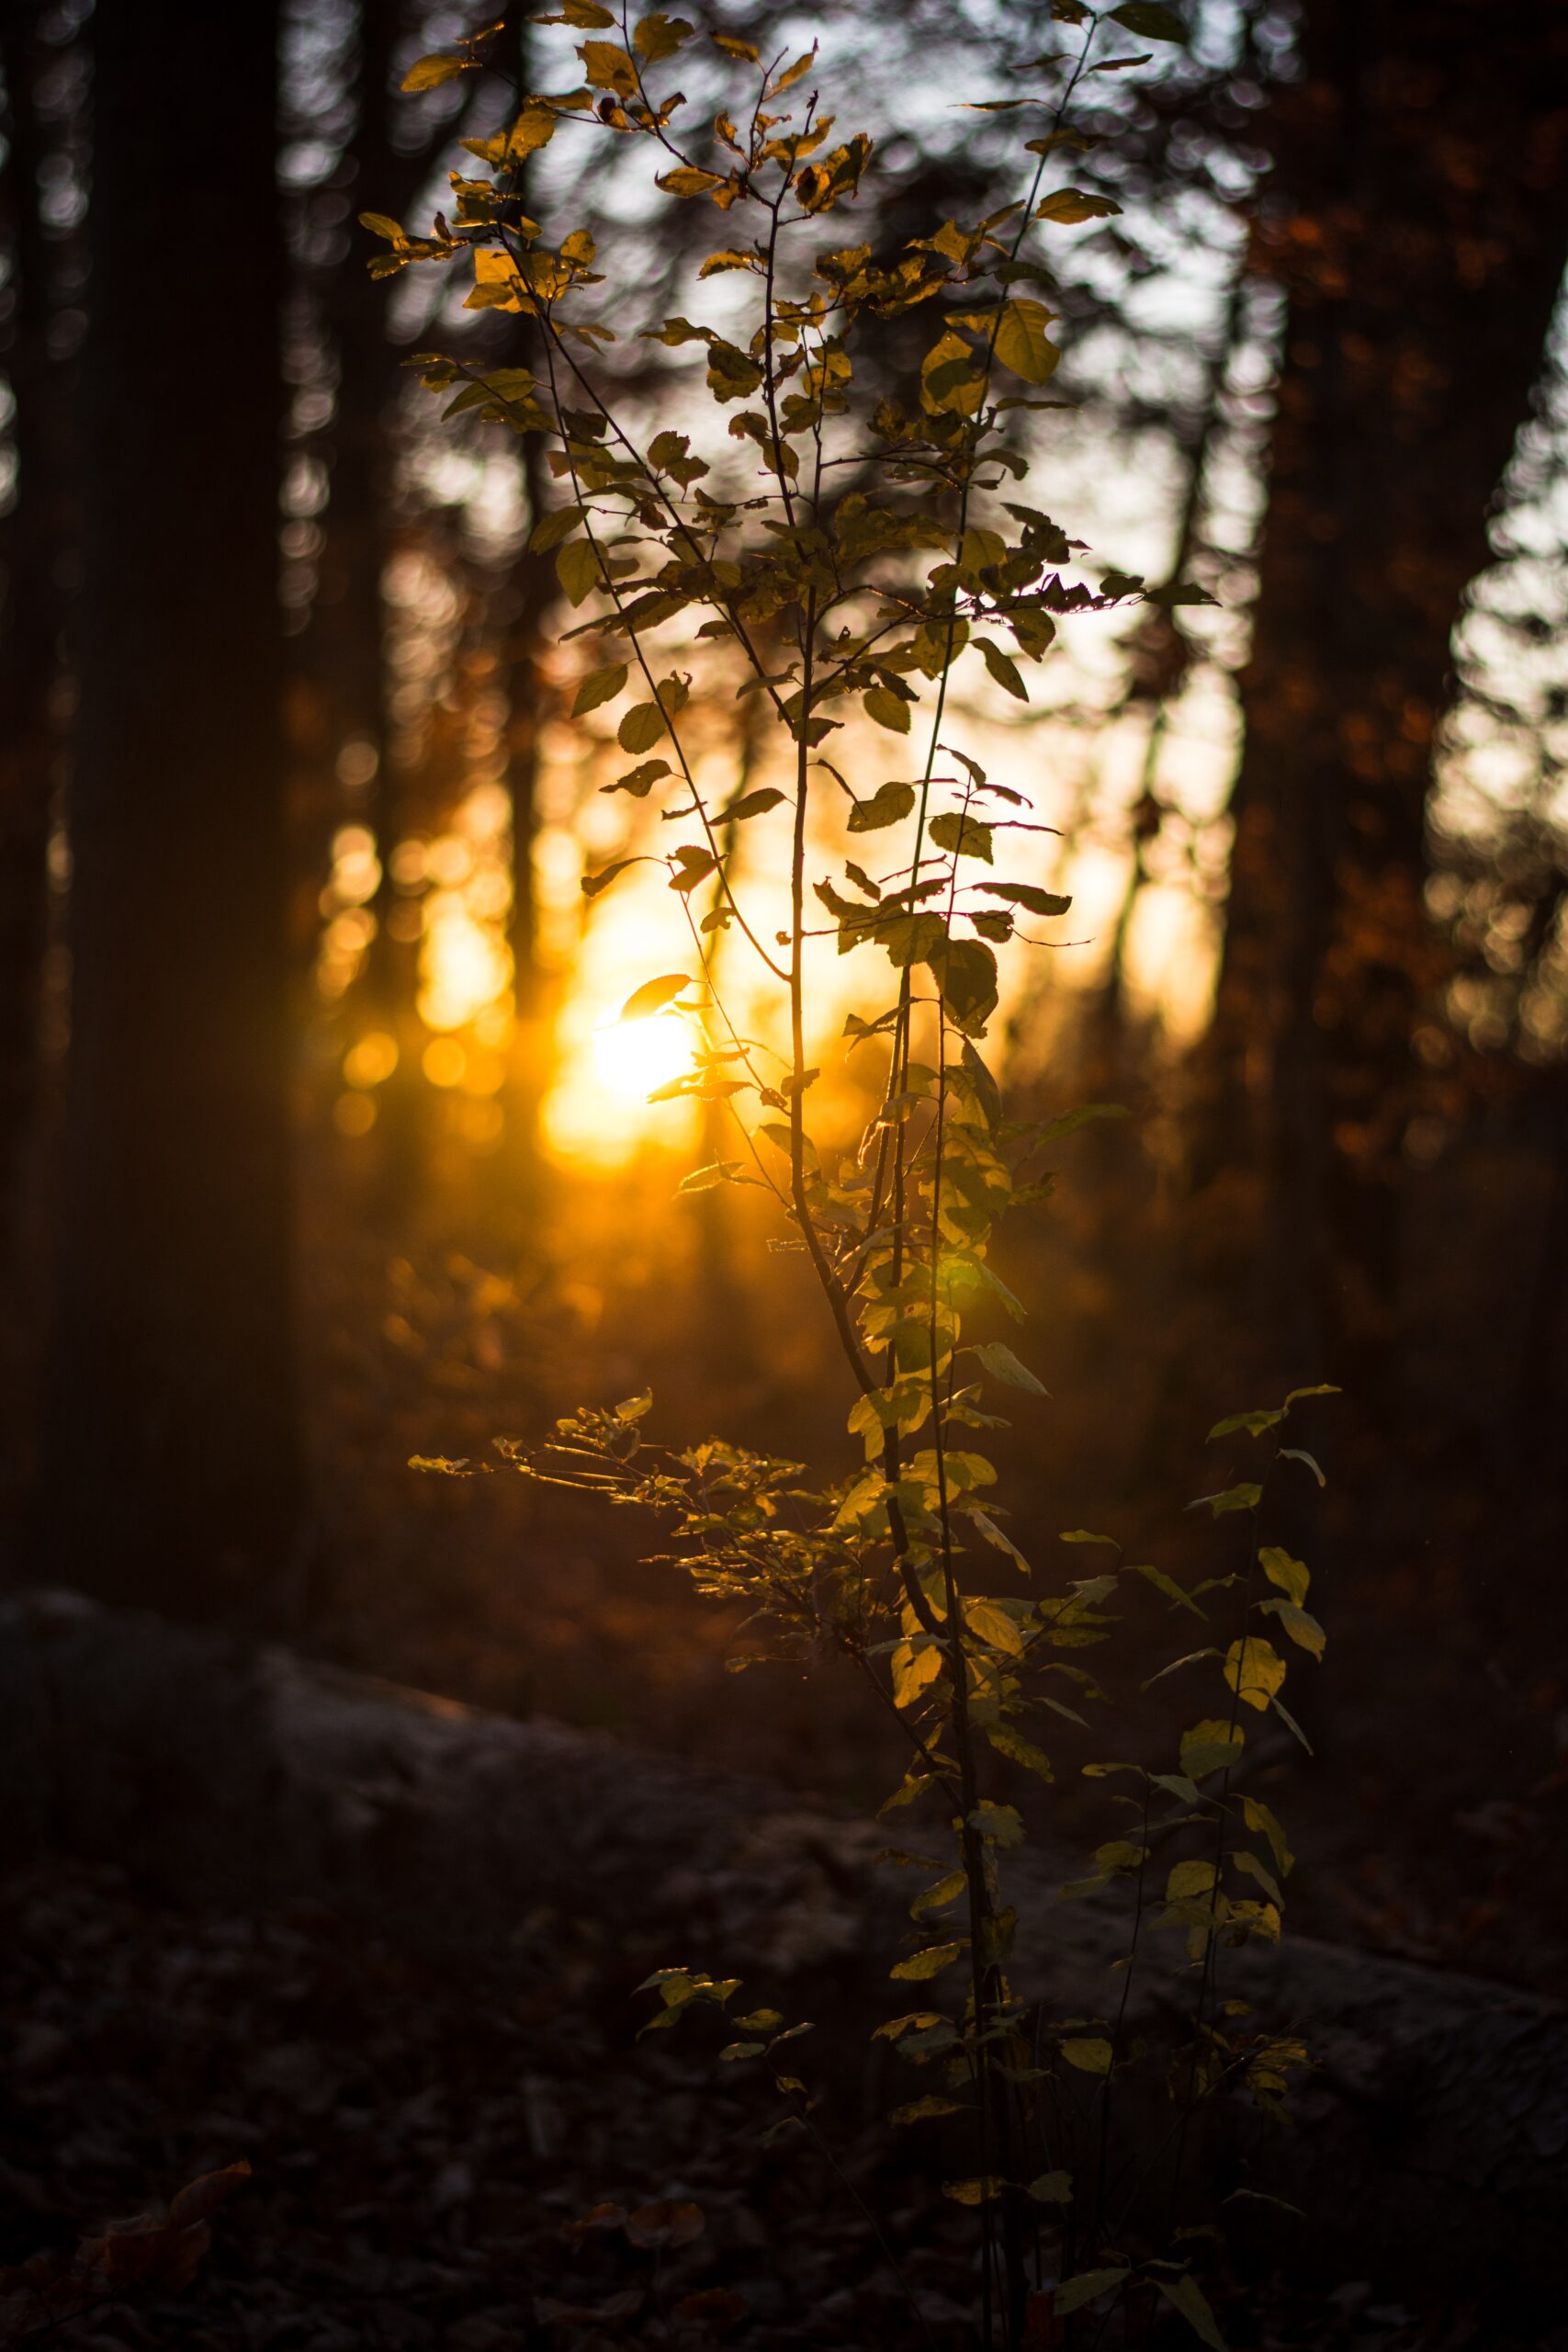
[{"x": 632, "y": 1058}]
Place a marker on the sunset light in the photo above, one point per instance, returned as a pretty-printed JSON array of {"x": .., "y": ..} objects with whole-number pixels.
[{"x": 633, "y": 1057}]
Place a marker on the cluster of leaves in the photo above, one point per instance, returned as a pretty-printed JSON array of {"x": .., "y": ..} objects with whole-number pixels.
[{"x": 847, "y": 612}]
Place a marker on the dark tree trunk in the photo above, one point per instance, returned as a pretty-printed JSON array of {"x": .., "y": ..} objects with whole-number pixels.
[
  {"x": 31, "y": 548},
  {"x": 1417, "y": 223},
  {"x": 173, "y": 1469}
]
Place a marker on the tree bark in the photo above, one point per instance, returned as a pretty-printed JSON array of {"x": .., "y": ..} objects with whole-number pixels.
[
  {"x": 1427, "y": 2143},
  {"x": 1417, "y": 223},
  {"x": 172, "y": 1448}
]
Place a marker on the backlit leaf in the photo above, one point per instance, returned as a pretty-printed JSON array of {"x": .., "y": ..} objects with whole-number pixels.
[
  {"x": 1091, "y": 2057},
  {"x": 1021, "y": 342},
  {"x": 429, "y": 72},
  {"x": 1071, "y": 205},
  {"x": 577, "y": 568},
  {"x": 888, "y": 710},
  {"x": 1052, "y": 2189},
  {"x": 1255, "y": 1671},
  {"x": 930, "y": 1962},
  {"x": 641, "y": 727},
  {"x": 1086, "y": 2287},
  {"x": 653, "y": 996},
  {"x": 1150, "y": 19},
  {"x": 999, "y": 1361},
  {"x": 1002, "y": 669},
  {"x": 1293, "y": 1577},
  {"x": 600, "y": 685},
  {"x": 1184, "y": 2294},
  {"x": 886, "y": 805}
]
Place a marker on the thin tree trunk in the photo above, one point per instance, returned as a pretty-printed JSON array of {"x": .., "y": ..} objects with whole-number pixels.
[
  {"x": 173, "y": 1462},
  {"x": 1417, "y": 219},
  {"x": 31, "y": 545}
]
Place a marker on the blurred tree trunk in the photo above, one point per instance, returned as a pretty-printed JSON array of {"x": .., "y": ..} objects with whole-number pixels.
[
  {"x": 1417, "y": 221},
  {"x": 173, "y": 1464},
  {"x": 32, "y": 539}
]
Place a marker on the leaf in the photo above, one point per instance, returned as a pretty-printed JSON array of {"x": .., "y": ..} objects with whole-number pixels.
[
  {"x": 1254, "y": 1869},
  {"x": 1254, "y": 1671},
  {"x": 887, "y": 804},
  {"x": 1036, "y": 902},
  {"x": 1002, "y": 669},
  {"x": 1167, "y": 1586},
  {"x": 380, "y": 224},
  {"x": 593, "y": 883},
  {"x": 733, "y": 47},
  {"x": 1258, "y": 1817},
  {"x": 641, "y": 727},
  {"x": 1299, "y": 1454},
  {"x": 600, "y": 685},
  {"x": 1021, "y": 342},
  {"x": 1002, "y": 1824},
  {"x": 653, "y": 996},
  {"x": 967, "y": 970},
  {"x": 1211, "y": 1746},
  {"x": 963, "y": 836},
  {"x": 1293, "y": 1577},
  {"x": 1052, "y": 2189},
  {"x": 999, "y": 1361},
  {"x": 665, "y": 2223},
  {"x": 1009, "y": 1742},
  {"x": 702, "y": 1180},
  {"x": 919, "y": 2110},
  {"x": 992, "y": 1621},
  {"x": 974, "y": 2192},
  {"x": 1091, "y": 2057},
  {"x": 689, "y": 181},
  {"x": 1150, "y": 19},
  {"x": 888, "y": 710},
  {"x": 659, "y": 35},
  {"x": 930, "y": 1962},
  {"x": 1184, "y": 2294},
  {"x": 639, "y": 781},
  {"x": 1188, "y": 1881},
  {"x": 429, "y": 72},
  {"x": 1253, "y": 1423},
  {"x": 1323, "y": 1388},
  {"x": 1071, "y": 205},
  {"x": 1082, "y": 1536},
  {"x": 751, "y": 804},
  {"x": 1302, "y": 1627},
  {"x": 577, "y": 568},
  {"x": 1084, "y": 2288},
  {"x": 1246, "y": 1496}
]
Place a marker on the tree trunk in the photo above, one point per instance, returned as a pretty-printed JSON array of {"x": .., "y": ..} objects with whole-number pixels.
[
  {"x": 1416, "y": 221},
  {"x": 33, "y": 537},
  {"x": 172, "y": 1450}
]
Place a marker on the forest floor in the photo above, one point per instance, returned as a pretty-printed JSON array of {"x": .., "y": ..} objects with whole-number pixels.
[{"x": 425, "y": 2159}]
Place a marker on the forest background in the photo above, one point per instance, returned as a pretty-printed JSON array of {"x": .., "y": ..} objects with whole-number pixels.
[{"x": 320, "y": 1147}]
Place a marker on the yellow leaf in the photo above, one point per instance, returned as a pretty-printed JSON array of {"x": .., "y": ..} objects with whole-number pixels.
[
  {"x": 429, "y": 72},
  {"x": 1291, "y": 1576},
  {"x": 495, "y": 283},
  {"x": 689, "y": 181},
  {"x": 915, "y": 1664},
  {"x": 656, "y": 37},
  {"x": 1255, "y": 1671},
  {"x": 952, "y": 377},
  {"x": 990, "y": 1622},
  {"x": 1071, "y": 205},
  {"x": 974, "y": 2192},
  {"x": 930, "y": 1962},
  {"x": 1021, "y": 342},
  {"x": 1088, "y": 2057}
]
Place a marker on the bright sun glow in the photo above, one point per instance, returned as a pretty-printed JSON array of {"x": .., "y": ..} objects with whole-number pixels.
[{"x": 631, "y": 1058}]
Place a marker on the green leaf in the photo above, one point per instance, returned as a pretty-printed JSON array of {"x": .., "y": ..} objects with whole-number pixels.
[
  {"x": 1184, "y": 2294},
  {"x": 1254, "y": 1671},
  {"x": 1211, "y": 1746},
  {"x": 930, "y": 1962},
  {"x": 1259, "y": 1818},
  {"x": 999, "y": 1361},
  {"x": 1188, "y": 1881},
  {"x": 1021, "y": 342},
  {"x": 600, "y": 685},
  {"x": 429, "y": 72},
  {"x": 1091, "y": 2057},
  {"x": 1052, "y": 2189},
  {"x": 1082, "y": 1536},
  {"x": 577, "y": 568},
  {"x": 1246, "y": 1496},
  {"x": 1071, "y": 205},
  {"x": 967, "y": 971},
  {"x": 1167, "y": 1586},
  {"x": 653, "y": 996},
  {"x": 1323, "y": 1388},
  {"x": 1253, "y": 1423},
  {"x": 1086, "y": 2287},
  {"x": 1302, "y": 1627},
  {"x": 641, "y": 727},
  {"x": 887, "y": 804},
  {"x": 1293, "y": 1577},
  {"x": 888, "y": 710},
  {"x": 1150, "y": 19}
]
